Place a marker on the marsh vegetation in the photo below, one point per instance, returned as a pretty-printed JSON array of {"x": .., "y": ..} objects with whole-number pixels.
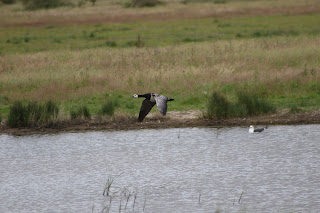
[
  {"x": 98, "y": 58},
  {"x": 32, "y": 114},
  {"x": 247, "y": 103}
]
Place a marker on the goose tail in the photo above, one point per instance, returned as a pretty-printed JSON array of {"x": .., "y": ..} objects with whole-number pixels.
[{"x": 170, "y": 99}]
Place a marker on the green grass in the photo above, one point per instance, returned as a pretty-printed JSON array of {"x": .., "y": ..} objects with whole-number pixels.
[
  {"x": 32, "y": 114},
  {"x": 95, "y": 104},
  {"x": 108, "y": 108},
  {"x": 35, "y": 39},
  {"x": 252, "y": 103},
  {"x": 218, "y": 106},
  {"x": 87, "y": 67},
  {"x": 37, "y": 4},
  {"x": 143, "y": 3},
  {"x": 101, "y": 104},
  {"x": 247, "y": 103},
  {"x": 81, "y": 111}
]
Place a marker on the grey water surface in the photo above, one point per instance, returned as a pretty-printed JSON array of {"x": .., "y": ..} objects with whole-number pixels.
[{"x": 166, "y": 170}]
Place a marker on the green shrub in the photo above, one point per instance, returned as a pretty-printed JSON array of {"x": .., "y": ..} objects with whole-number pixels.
[
  {"x": 8, "y": 1},
  {"x": 92, "y": 35},
  {"x": 111, "y": 43},
  {"x": 143, "y": 3},
  {"x": 218, "y": 106},
  {"x": 269, "y": 33},
  {"x": 138, "y": 43},
  {"x": 107, "y": 108},
  {"x": 32, "y": 114},
  {"x": 14, "y": 40},
  {"x": 17, "y": 115},
  {"x": 51, "y": 110},
  {"x": 191, "y": 40},
  {"x": 81, "y": 111},
  {"x": 253, "y": 103},
  {"x": 247, "y": 104},
  {"x": 85, "y": 112},
  {"x": 45, "y": 4}
]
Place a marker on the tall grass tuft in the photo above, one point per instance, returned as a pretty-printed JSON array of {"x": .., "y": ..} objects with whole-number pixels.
[
  {"x": 8, "y": 1},
  {"x": 142, "y": 3},
  {"x": 51, "y": 108},
  {"x": 32, "y": 114},
  {"x": 248, "y": 103},
  {"x": 253, "y": 104},
  {"x": 81, "y": 112},
  {"x": 107, "y": 108},
  {"x": 17, "y": 115},
  {"x": 138, "y": 43},
  {"x": 46, "y": 4},
  {"x": 218, "y": 106}
]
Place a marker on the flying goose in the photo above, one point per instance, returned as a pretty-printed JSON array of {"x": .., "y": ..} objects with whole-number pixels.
[
  {"x": 252, "y": 129},
  {"x": 150, "y": 100}
]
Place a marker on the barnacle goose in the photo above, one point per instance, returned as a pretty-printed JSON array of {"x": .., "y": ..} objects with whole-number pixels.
[{"x": 150, "y": 100}]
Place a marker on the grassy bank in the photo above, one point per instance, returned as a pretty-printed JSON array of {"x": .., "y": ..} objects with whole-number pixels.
[
  {"x": 285, "y": 70},
  {"x": 276, "y": 56},
  {"x": 123, "y": 35},
  {"x": 114, "y": 11}
]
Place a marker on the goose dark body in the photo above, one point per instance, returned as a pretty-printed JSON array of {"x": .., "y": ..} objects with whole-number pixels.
[{"x": 150, "y": 100}]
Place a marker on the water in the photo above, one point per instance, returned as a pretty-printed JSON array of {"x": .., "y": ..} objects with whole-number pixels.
[{"x": 170, "y": 170}]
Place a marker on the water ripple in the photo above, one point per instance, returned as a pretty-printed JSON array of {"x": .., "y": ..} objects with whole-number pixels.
[{"x": 170, "y": 170}]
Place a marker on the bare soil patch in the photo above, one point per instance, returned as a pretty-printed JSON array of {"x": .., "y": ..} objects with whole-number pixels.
[{"x": 174, "y": 119}]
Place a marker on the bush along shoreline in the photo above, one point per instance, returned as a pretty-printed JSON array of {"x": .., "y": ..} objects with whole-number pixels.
[
  {"x": 247, "y": 103},
  {"x": 32, "y": 114},
  {"x": 35, "y": 114}
]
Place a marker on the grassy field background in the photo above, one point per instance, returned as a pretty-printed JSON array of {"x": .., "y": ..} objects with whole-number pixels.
[{"x": 92, "y": 54}]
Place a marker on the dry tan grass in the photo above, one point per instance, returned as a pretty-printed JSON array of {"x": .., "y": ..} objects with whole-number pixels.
[
  {"x": 107, "y": 11},
  {"x": 64, "y": 75}
]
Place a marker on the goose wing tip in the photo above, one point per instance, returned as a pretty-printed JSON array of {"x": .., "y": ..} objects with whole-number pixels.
[{"x": 145, "y": 109}]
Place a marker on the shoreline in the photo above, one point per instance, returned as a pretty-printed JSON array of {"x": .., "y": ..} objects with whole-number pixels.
[{"x": 174, "y": 120}]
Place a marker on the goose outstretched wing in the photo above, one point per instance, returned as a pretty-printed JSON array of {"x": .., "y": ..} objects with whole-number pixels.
[
  {"x": 145, "y": 109},
  {"x": 161, "y": 101}
]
